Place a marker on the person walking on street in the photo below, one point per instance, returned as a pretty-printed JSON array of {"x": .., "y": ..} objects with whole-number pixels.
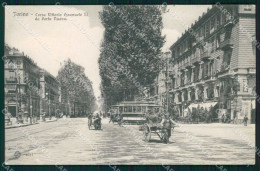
[{"x": 245, "y": 120}]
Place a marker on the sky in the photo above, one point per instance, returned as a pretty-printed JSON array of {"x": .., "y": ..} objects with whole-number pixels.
[{"x": 50, "y": 42}]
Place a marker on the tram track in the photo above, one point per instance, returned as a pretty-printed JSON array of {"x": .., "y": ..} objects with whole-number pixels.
[{"x": 38, "y": 130}]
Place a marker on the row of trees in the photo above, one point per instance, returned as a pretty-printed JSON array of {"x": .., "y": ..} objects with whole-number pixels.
[
  {"x": 76, "y": 88},
  {"x": 130, "y": 51}
]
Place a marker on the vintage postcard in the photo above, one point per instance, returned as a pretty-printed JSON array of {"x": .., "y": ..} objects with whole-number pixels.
[{"x": 130, "y": 85}]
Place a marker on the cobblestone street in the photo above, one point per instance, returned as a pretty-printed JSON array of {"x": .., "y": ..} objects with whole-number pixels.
[{"x": 70, "y": 141}]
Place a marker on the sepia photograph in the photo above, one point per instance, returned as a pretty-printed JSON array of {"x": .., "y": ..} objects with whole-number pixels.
[{"x": 130, "y": 85}]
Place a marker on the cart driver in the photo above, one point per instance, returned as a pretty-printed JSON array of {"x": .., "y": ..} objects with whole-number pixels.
[
  {"x": 167, "y": 122},
  {"x": 96, "y": 117},
  {"x": 152, "y": 118}
]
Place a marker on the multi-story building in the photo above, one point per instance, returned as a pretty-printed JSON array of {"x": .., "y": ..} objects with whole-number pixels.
[
  {"x": 50, "y": 94},
  {"x": 158, "y": 91},
  {"x": 215, "y": 62},
  {"x": 21, "y": 81},
  {"x": 25, "y": 86}
]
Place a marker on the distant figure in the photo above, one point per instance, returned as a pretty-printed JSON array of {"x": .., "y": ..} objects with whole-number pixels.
[
  {"x": 111, "y": 118},
  {"x": 90, "y": 118},
  {"x": 223, "y": 118},
  {"x": 120, "y": 119},
  {"x": 245, "y": 120}
]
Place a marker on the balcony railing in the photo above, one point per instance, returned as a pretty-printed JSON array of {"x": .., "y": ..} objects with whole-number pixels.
[
  {"x": 205, "y": 55},
  {"x": 194, "y": 60},
  {"x": 224, "y": 68},
  {"x": 228, "y": 23},
  {"x": 228, "y": 43}
]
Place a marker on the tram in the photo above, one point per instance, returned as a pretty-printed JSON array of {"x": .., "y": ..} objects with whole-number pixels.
[{"x": 133, "y": 112}]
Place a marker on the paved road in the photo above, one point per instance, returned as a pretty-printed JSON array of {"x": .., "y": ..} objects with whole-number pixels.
[{"x": 68, "y": 141}]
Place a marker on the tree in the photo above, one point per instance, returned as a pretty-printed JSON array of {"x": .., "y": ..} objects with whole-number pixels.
[
  {"x": 129, "y": 59},
  {"x": 75, "y": 85}
]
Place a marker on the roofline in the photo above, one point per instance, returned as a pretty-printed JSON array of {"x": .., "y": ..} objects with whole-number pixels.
[{"x": 195, "y": 25}]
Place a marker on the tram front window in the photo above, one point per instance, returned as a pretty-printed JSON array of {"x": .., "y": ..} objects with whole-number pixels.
[
  {"x": 143, "y": 109},
  {"x": 134, "y": 109},
  {"x": 129, "y": 108},
  {"x": 120, "y": 109}
]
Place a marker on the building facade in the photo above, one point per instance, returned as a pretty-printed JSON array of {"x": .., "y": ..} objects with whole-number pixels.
[
  {"x": 159, "y": 90},
  {"x": 214, "y": 62},
  {"x": 50, "y": 94},
  {"x": 25, "y": 87}
]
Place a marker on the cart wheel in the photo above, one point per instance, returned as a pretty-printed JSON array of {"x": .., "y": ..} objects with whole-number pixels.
[{"x": 147, "y": 133}]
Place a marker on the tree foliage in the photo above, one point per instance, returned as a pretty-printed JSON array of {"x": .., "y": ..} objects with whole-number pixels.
[
  {"x": 75, "y": 85},
  {"x": 130, "y": 50}
]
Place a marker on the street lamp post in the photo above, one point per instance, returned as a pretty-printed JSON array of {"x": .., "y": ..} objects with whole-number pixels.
[
  {"x": 31, "y": 109},
  {"x": 48, "y": 96}
]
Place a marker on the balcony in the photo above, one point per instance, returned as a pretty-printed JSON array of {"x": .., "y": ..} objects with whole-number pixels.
[
  {"x": 12, "y": 92},
  {"x": 201, "y": 82},
  {"x": 185, "y": 65},
  {"x": 205, "y": 55},
  {"x": 196, "y": 80},
  {"x": 11, "y": 80},
  {"x": 209, "y": 78},
  {"x": 228, "y": 23},
  {"x": 195, "y": 60},
  {"x": 226, "y": 44},
  {"x": 182, "y": 67}
]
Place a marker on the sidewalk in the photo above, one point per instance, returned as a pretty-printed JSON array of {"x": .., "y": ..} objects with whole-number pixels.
[{"x": 16, "y": 125}]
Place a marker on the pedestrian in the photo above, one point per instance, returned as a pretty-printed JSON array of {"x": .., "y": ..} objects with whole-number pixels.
[
  {"x": 245, "y": 120},
  {"x": 223, "y": 118}
]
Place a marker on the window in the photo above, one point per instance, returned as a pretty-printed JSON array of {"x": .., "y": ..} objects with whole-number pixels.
[
  {"x": 223, "y": 19},
  {"x": 138, "y": 108},
  {"x": 134, "y": 109},
  {"x": 201, "y": 32},
  {"x": 120, "y": 109},
  {"x": 143, "y": 109},
  {"x": 125, "y": 109},
  {"x": 11, "y": 74},
  {"x": 173, "y": 54},
  {"x": 156, "y": 110},
  {"x": 227, "y": 58},
  {"x": 245, "y": 85},
  {"x": 206, "y": 70},
  {"x": 212, "y": 23},
  {"x": 217, "y": 40},
  {"x": 218, "y": 21},
  {"x": 130, "y": 109},
  {"x": 207, "y": 29},
  {"x": 213, "y": 44},
  {"x": 179, "y": 97},
  {"x": 211, "y": 67},
  {"x": 178, "y": 51},
  {"x": 186, "y": 45}
]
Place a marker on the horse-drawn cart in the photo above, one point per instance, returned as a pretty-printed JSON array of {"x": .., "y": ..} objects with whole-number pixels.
[{"x": 160, "y": 131}]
